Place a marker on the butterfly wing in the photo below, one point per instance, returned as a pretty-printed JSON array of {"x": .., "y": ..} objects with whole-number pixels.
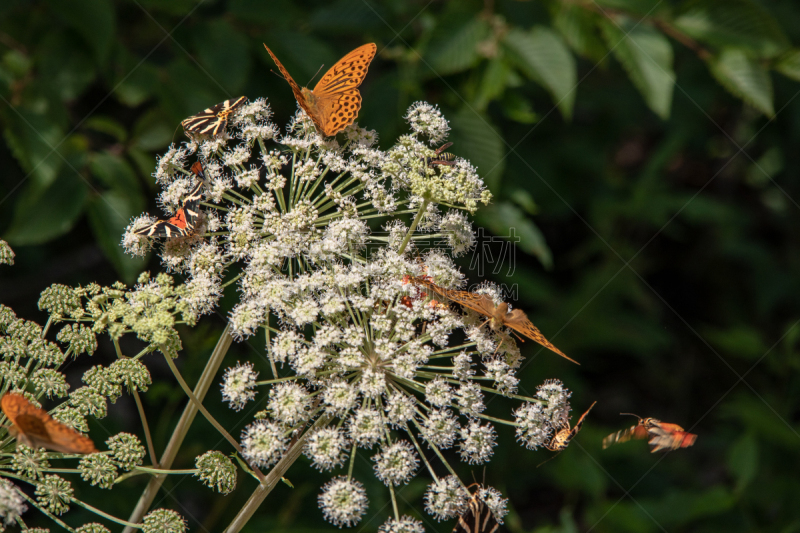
[
  {"x": 213, "y": 119},
  {"x": 297, "y": 91},
  {"x": 37, "y": 429},
  {"x": 665, "y": 437},
  {"x": 337, "y": 98},
  {"x": 518, "y": 321},
  {"x": 480, "y": 303},
  {"x": 183, "y": 222},
  {"x": 562, "y": 439},
  {"x": 635, "y": 432},
  {"x": 478, "y": 518}
]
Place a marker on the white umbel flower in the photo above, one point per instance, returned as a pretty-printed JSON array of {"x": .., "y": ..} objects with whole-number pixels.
[{"x": 238, "y": 385}]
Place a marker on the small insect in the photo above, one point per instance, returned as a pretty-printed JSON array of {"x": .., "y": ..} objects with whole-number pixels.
[
  {"x": 498, "y": 316},
  {"x": 212, "y": 120},
  {"x": 562, "y": 438},
  {"x": 35, "y": 428},
  {"x": 661, "y": 435},
  {"x": 334, "y": 102},
  {"x": 183, "y": 221},
  {"x": 478, "y": 518},
  {"x": 442, "y": 157}
]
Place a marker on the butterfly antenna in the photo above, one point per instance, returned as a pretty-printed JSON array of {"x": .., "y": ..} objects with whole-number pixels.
[
  {"x": 279, "y": 75},
  {"x": 174, "y": 132},
  {"x": 315, "y": 74},
  {"x": 631, "y": 414}
]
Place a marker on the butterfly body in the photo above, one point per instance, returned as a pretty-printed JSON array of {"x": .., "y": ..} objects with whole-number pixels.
[
  {"x": 497, "y": 315},
  {"x": 562, "y": 438},
  {"x": 334, "y": 102},
  {"x": 212, "y": 120},
  {"x": 184, "y": 221},
  {"x": 661, "y": 435},
  {"x": 35, "y": 428}
]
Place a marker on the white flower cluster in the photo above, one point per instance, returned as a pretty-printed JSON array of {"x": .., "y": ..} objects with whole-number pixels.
[{"x": 327, "y": 237}]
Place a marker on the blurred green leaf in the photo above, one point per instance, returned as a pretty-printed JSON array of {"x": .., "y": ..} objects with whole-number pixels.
[
  {"x": 67, "y": 68},
  {"x": 115, "y": 173},
  {"x": 578, "y": 26},
  {"x": 647, "y": 57},
  {"x": 741, "y": 341},
  {"x": 745, "y": 78},
  {"x": 17, "y": 63},
  {"x": 346, "y": 16},
  {"x": 505, "y": 219},
  {"x": 94, "y": 20},
  {"x": 152, "y": 132},
  {"x": 454, "y": 45},
  {"x": 109, "y": 214},
  {"x": 641, "y": 7},
  {"x": 789, "y": 65},
  {"x": 52, "y": 213},
  {"x": 32, "y": 138},
  {"x": 223, "y": 51},
  {"x": 743, "y": 460},
  {"x": 544, "y": 57},
  {"x": 302, "y": 55},
  {"x": 133, "y": 80},
  {"x": 518, "y": 109},
  {"x": 474, "y": 134},
  {"x": 493, "y": 82},
  {"x": 740, "y": 24},
  {"x": 107, "y": 125},
  {"x": 523, "y": 198}
]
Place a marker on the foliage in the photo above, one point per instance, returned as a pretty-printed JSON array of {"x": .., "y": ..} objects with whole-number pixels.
[{"x": 643, "y": 151}]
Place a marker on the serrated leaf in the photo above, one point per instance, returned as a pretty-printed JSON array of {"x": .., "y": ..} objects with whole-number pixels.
[
  {"x": 646, "y": 55},
  {"x": 507, "y": 220},
  {"x": 476, "y": 138},
  {"x": 52, "y": 213},
  {"x": 544, "y": 57},
  {"x": 578, "y": 26},
  {"x": 109, "y": 214},
  {"x": 789, "y": 65},
  {"x": 92, "y": 19},
  {"x": 745, "y": 78},
  {"x": 223, "y": 51},
  {"x": 733, "y": 23},
  {"x": 454, "y": 44}
]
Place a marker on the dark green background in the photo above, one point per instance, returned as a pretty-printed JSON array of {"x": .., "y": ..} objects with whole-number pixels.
[{"x": 659, "y": 243}]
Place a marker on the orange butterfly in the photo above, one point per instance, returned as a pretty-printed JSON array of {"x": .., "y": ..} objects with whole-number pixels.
[
  {"x": 562, "y": 438},
  {"x": 662, "y": 435},
  {"x": 498, "y": 316},
  {"x": 335, "y": 101},
  {"x": 35, "y": 428}
]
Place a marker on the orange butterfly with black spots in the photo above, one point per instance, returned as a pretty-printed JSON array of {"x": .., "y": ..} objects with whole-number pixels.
[
  {"x": 35, "y": 428},
  {"x": 334, "y": 102}
]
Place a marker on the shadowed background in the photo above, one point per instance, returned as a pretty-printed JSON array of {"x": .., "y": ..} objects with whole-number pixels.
[{"x": 643, "y": 151}]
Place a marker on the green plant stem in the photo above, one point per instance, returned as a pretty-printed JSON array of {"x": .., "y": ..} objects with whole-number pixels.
[
  {"x": 146, "y": 427},
  {"x": 422, "y": 209},
  {"x": 97, "y": 511},
  {"x": 179, "y": 433},
  {"x": 272, "y": 479}
]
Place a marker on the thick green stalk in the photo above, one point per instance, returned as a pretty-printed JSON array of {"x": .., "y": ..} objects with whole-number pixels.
[
  {"x": 275, "y": 475},
  {"x": 179, "y": 433},
  {"x": 422, "y": 209}
]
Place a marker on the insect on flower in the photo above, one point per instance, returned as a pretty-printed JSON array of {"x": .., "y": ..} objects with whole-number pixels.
[
  {"x": 183, "y": 221},
  {"x": 478, "y": 518},
  {"x": 35, "y": 428},
  {"x": 562, "y": 438},
  {"x": 213, "y": 119},
  {"x": 661, "y": 435},
  {"x": 334, "y": 102},
  {"x": 442, "y": 157},
  {"x": 498, "y": 315}
]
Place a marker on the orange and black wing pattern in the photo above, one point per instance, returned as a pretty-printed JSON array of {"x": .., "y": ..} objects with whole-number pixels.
[
  {"x": 480, "y": 303},
  {"x": 661, "y": 435},
  {"x": 184, "y": 220},
  {"x": 212, "y": 120},
  {"x": 34, "y": 427}
]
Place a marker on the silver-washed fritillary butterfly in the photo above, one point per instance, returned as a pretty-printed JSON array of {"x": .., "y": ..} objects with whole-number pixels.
[{"x": 335, "y": 101}]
